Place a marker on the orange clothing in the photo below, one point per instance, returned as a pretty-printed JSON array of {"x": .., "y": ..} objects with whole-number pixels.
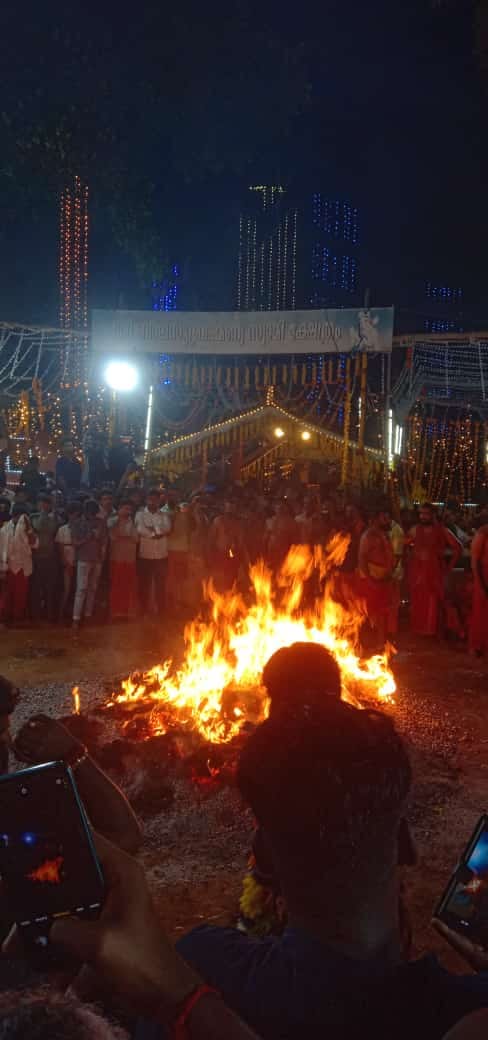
[
  {"x": 376, "y": 562},
  {"x": 478, "y": 627},
  {"x": 426, "y": 574}
]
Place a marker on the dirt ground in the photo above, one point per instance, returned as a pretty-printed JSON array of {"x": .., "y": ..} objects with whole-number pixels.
[{"x": 440, "y": 708}]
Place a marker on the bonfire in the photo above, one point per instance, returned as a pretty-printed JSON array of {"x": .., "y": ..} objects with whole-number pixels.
[{"x": 216, "y": 691}]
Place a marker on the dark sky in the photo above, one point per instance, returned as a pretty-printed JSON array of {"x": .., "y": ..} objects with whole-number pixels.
[{"x": 380, "y": 102}]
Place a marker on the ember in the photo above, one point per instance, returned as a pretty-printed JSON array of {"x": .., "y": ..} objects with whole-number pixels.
[{"x": 216, "y": 691}]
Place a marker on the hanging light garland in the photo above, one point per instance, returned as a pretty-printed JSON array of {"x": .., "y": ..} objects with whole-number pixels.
[{"x": 73, "y": 280}]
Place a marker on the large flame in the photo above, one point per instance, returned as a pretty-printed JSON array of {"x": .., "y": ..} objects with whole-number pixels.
[{"x": 216, "y": 690}]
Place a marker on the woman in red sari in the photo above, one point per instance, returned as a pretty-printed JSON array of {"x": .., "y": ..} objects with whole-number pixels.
[
  {"x": 428, "y": 567},
  {"x": 478, "y": 628},
  {"x": 123, "y": 572}
]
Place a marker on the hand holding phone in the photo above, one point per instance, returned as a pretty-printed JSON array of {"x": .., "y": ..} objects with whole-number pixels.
[
  {"x": 48, "y": 863},
  {"x": 151, "y": 983},
  {"x": 474, "y": 955},
  {"x": 463, "y": 909}
]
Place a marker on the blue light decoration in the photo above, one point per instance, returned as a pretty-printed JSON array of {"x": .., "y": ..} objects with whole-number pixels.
[
  {"x": 335, "y": 272},
  {"x": 446, "y": 301},
  {"x": 336, "y": 218},
  {"x": 164, "y": 359},
  {"x": 165, "y": 292},
  {"x": 334, "y": 267}
]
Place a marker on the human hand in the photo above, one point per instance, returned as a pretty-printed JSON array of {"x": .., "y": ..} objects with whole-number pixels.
[
  {"x": 42, "y": 739},
  {"x": 127, "y": 947},
  {"x": 475, "y": 955}
]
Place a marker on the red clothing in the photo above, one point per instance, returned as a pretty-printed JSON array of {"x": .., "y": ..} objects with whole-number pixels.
[
  {"x": 374, "y": 577},
  {"x": 377, "y": 596},
  {"x": 17, "y": 594},
  {"x": 394, "y": 608},
  {"x": 426, "y": 574},
  {"x": 478, "y": 627},
  {"x": 123, "y": 588}
]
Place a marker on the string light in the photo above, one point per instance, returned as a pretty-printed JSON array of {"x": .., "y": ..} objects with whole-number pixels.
[
  {"x": 266, "y": 267},
  {"x": 73, "y": 280}
]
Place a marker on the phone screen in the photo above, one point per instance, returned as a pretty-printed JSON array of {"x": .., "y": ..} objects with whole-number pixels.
[
  {"x": 47, "y": 860},
  {"x": 465, "y": 907}
]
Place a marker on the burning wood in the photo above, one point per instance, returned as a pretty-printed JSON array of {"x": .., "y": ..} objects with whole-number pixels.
[{"x": 215, "y": 693}]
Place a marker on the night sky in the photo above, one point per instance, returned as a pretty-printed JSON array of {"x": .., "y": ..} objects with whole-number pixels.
[{"x": 171, "y": 111}]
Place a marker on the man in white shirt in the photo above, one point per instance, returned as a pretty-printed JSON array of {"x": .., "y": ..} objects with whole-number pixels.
[
  {"x": 67, "y": 553},
  {"x": 153, "y": 528}
]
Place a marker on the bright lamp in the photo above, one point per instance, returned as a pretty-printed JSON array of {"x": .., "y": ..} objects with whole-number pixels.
[{"x": 121, "y": 376}]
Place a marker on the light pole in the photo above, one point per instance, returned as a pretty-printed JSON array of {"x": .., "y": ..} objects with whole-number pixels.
[{"x": 121, "y": 377}]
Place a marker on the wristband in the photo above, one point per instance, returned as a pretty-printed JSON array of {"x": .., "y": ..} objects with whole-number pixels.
[{"x": 179, "y": 1031}]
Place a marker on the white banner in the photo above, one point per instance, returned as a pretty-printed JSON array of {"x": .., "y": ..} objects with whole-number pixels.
[{"x": 242, "y": 332}]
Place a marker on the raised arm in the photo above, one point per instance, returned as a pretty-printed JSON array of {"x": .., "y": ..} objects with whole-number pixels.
[
  {"x": 135, "y": 961},
  {"x": 455, "y": 546}
]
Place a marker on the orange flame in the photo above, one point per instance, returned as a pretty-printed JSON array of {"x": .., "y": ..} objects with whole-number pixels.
[
  {"x": 75, "y": 693},
  {"x": 227, "y": 653},
  {"x": 49, "y": 872}
]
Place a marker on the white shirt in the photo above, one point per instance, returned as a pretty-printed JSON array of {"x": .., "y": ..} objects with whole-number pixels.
[
  {"x": 68, "y": 551},
  {"x": 148, "y": 526},
  {"x": 15, "y": 549}
]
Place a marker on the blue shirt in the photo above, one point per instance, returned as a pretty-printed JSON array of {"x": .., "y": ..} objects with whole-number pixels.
[{"x": 295, "y": 988}]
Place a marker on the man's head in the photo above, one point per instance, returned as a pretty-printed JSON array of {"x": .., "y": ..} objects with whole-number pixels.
[
  {"x": 44, "y": 503},
  {"x": 106, "y": 502},
  {"x": 19, "y": 509},
  {"x": 329, "y": 792},
  {"x": 74, "y": 510},
  {"x": 381, "y": 519},
  {"x": 427, "y": 515},
  {"x": 124, "y": 510},
  {"x": 352, "y": 513},
  {"x": 91, "y": 508},
  {"x": 299, "y": 676},
  {"x": 136, "y": 496},
  {"x": 153, "y": 499},
  {"x": 46, "y": 1015}
]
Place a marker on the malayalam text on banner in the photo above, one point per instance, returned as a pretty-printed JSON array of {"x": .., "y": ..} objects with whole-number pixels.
[{"x": 243, "y": 332}]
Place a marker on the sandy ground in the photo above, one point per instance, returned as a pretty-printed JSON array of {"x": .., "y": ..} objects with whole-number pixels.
[{"x": 440, "y": 708}]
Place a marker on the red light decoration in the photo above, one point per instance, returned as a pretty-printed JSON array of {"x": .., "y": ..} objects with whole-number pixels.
[{"x": 73, "y": 280}]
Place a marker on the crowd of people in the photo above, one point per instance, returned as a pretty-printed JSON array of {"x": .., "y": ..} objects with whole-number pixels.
[
  {"x": 70, "y": 552},
  {"x": 328, "y": 785}
]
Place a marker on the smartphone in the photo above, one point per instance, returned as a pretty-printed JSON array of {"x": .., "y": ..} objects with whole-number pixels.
[
  {"x": 48, "y": 864},
  {"x": 464, "y": 905}
]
